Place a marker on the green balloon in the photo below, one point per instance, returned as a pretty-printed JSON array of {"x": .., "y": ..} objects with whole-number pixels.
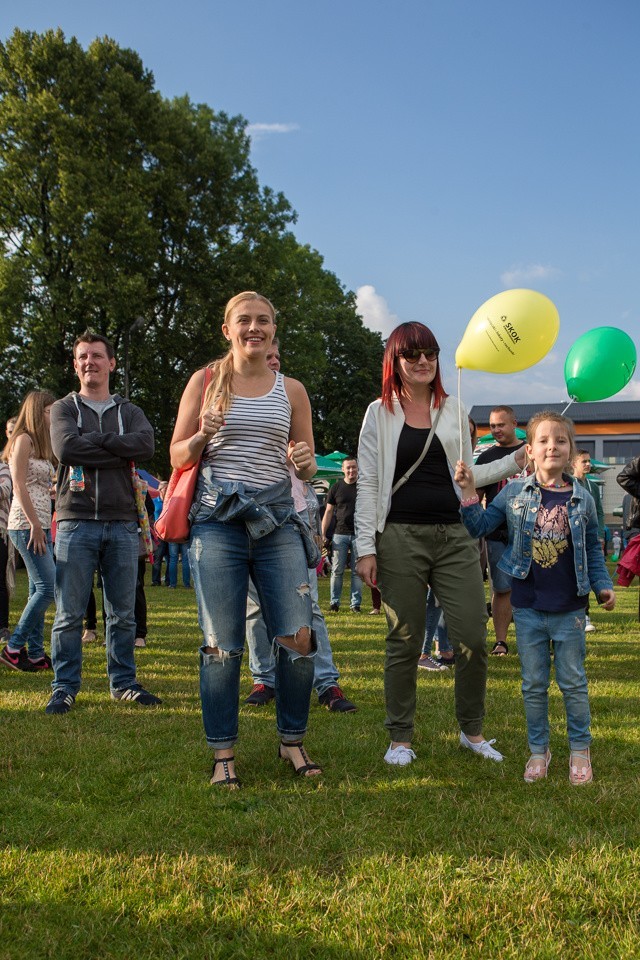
[{"x": 599, "y": 364}]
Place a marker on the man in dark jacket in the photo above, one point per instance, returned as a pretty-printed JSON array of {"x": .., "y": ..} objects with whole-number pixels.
[
  {"x": 629, "y": 480},
  {"x": 96, "y": 435}
]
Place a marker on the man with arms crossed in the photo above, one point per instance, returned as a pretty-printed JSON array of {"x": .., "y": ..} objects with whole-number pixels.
[
  {"x": 95, "y": 436},
  {"x": 502, "y": 424}
]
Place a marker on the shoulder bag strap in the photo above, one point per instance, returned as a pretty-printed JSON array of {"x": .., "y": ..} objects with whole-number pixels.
[{"x": 403, "y": 479}]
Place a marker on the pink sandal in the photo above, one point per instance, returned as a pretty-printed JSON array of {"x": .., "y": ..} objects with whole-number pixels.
[
  {"x": 580, "y": 774},
  {"x": 537, "y": 766}
]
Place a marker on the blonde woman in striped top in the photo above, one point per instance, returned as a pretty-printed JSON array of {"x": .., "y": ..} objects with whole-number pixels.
[{"x": 251, "y": 425}]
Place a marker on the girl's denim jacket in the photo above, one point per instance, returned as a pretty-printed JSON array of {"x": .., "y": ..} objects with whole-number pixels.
[
  {"x": 518, "y": 503},
  {"x": 261, "y": 511}
]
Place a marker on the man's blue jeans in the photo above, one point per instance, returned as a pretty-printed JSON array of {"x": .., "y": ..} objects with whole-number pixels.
[
  {"x": 41, "y": 569},
  {"x": 342, "y": 543},
  {"x": 222, "y": 556},
  {"x": 500, "y": 581},
  {"x": 535, "y": 631},
  {"x": 178, "y": 550},
  {"x": 81, "y": 547},
  {"x": 262, "y": 662}
]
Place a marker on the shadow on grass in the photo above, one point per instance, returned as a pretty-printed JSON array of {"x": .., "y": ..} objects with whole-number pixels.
[
  {"x": 83, "y": 931},
  {"x": 116, "y": 778},
  {"x": 112, "y": 777}
]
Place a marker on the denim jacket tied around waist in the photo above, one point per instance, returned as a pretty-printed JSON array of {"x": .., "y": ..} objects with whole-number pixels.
[
  {"x": 262, "y": 511},
  {"x": 518, "y": 503}
]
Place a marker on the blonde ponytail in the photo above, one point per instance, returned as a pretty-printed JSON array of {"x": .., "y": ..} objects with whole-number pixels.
[{"x": 219, "y": 392}]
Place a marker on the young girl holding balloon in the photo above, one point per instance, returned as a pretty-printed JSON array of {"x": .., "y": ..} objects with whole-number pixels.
[{"x": 554, "y": 559}]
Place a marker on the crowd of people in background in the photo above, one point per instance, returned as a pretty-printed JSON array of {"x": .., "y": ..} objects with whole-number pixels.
[{"x": 412, "y": 518}]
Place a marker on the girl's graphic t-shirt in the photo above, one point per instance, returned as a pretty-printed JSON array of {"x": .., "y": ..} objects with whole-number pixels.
[{"x": 551, "y": 582}]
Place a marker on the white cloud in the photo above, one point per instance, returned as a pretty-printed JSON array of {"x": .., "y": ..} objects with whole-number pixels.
[
  {"x": 528, "y": 273},
  {"x": 550, "y": 360},
  {"x": 374, "y": 310},
  {"x": 529, "y": 386},
  {"x": 257, "y": 131},
  {"x": 630, "y": 392}
]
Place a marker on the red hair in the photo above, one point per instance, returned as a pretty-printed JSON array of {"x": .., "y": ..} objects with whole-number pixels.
[{"x": 408, "y": 336}]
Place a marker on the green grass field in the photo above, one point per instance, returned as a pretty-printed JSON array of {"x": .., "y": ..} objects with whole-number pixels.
[{"x": 115, "y": 846}]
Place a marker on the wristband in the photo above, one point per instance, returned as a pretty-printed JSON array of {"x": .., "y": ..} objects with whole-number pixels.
[{"x": 470, "y": 502}]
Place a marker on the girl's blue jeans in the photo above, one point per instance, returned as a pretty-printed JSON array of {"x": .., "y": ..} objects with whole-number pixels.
[
  {"x": 222, "y": 556},
  {"x": 42, "y": 575},
  {"x": 535, "y": 632}
]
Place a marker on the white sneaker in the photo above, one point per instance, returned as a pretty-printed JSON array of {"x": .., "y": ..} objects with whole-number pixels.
[
  {"x": 484, "y": 748},
  {"x": 400, "y": 756},
  {"x": 588, "y": 626}
]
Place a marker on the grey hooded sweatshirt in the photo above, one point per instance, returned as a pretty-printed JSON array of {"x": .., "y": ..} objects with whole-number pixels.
[{"x": 104, "y": 446}]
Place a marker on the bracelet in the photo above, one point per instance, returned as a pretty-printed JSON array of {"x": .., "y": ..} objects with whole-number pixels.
[{"x": 470, "y": 502}]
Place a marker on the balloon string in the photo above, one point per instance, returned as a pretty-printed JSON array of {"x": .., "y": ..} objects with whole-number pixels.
[
  {"x": 567, "y": 406},
  {"x": 460, "y": 407}
]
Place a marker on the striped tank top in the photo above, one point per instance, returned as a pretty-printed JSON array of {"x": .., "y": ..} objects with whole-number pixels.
[{"x": 252, "y": 444}]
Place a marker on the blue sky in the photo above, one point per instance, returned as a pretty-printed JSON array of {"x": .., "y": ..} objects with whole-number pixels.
[{"x": 436, "y": 151}]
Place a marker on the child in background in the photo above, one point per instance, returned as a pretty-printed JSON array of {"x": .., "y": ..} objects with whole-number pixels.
[{"x": 554, "y": 558}]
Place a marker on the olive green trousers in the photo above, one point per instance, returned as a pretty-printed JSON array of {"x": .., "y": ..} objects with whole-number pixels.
[{"x": 412, "y": 557}]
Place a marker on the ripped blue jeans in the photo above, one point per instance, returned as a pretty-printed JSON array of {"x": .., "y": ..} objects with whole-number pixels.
[{"x": 222, "y": 556}]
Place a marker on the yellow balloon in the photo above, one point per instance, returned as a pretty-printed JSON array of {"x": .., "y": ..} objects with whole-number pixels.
[{"x": 510, "y": 332}]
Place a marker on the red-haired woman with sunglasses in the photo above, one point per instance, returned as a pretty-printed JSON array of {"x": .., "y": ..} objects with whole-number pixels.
[{"x": 409, "y": 535}]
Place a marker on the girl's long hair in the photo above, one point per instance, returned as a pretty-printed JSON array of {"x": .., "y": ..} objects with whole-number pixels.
[
  {"x": 30, "y": 420},
  {"x": 408, "y": 336},
  {"x": 219, "y": 392}
]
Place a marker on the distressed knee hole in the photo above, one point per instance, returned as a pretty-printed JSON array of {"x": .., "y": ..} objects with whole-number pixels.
[
  {"x": 303, "y": 590},
  {"x": 221, "y": 655},
  {"x": 301, "y": 642}
]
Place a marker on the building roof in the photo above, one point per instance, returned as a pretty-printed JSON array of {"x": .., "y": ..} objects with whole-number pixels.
[{"x": 604, "y": 411}]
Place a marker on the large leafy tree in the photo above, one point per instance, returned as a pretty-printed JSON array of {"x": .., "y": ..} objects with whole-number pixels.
[{"x": 139, "y": 217}]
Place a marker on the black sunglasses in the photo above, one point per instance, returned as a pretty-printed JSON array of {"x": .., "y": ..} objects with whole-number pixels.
[{"x": 412, "y": 356}]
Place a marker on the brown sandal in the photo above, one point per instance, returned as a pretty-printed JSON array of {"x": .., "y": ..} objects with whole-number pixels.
[
  {"x": 232, "y": 783},
  {"x": 500, "y": 649},
  {"x": 305, "y": 769}
]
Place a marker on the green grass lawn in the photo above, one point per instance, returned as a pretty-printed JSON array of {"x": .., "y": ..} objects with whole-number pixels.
[{"x": 115, "y": 846}]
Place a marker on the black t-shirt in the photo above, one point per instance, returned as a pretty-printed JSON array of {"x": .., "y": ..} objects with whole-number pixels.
[
  {"x": 551, "y": 582},
  {"x": 428, "y": 496},
  {"x": 342, "y": 496},
  {"x": 496, "y": 452}
]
